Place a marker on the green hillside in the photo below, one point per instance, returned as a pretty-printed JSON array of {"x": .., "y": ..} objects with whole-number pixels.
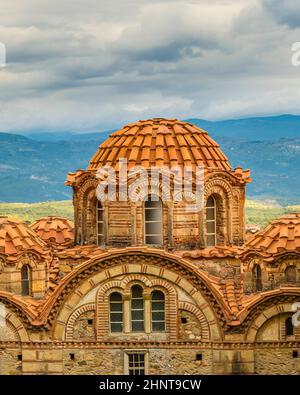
[
  {"x": 257, "y": 212},
  {"x": 29, "y": 212}
]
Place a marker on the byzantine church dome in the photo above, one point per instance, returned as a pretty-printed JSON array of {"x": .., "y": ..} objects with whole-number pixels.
[
  {"x": 160, "y": 142},
  {"x": 281, "y": 235},
  {"x": 54, "y": 230},
  {"x": 17, "y": 238}
]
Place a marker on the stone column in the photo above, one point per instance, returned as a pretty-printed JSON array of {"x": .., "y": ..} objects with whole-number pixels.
[
  {"x": 127, "y": 315},
  {"x": 147, "y": 312}
]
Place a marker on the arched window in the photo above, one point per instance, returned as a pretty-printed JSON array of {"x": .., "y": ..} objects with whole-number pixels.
[
  {"x": 290, "y": 274},
  {"x": 158, "y": 311},
  {"x": 211, "y": 223},
  {"x": 137, "y": 309},
  {"x": 257, "y": 281},
  {"x": 26, "y": 280},
  {"x": 153, "y": 220},
  {"x": 116, "y": 312},
  {"x": 100, "y": 223},
  {"x": 289, "y": 327}
]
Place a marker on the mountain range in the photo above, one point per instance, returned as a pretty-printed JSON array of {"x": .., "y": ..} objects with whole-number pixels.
[{"x": 33, "y": 167}]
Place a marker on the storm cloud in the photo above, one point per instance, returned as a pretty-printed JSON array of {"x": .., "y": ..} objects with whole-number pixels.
[{"x": 89, "y": 65}]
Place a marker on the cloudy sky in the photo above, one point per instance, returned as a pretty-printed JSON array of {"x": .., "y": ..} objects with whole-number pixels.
[{"x": 85, "y": 65}]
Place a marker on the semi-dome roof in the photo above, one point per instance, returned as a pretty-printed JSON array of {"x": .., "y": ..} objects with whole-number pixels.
[
  {"x": 281, "y": 235},
  {"x": 54, "y": 230},
  {"x": 16, "y": 238},
  {"x": 158, "y": 142}
]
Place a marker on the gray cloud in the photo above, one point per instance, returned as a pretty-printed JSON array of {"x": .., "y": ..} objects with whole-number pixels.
[
  {"x": 284, "y": 11},
  {"x": 97, "y": 64}
]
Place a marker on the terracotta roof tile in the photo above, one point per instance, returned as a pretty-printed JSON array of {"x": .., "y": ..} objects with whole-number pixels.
[
  {"x": 281, "y": 235},
  {"x": 212, "y": 252},
  {"x": 17, "y": 238},
  {"x": 183, "y": 143},
  {"x": 57, "y": 231}
]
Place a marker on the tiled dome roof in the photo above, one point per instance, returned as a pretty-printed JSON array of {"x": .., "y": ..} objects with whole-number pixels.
[
  {"x": 17, "y": 238},
  {"x": 54, "y": 230},
  {"x": 158, "y": 142},
  {"x": 280, "y": 235}
]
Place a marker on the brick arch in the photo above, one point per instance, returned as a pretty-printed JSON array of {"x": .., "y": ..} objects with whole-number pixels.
[
  {"x": 286, "y": 263},
  {"x": 215, "y": 184},
  {"x": 256, "y": 261},
  {"x": 17, "y": 326},
  {"x": 130, "y": 261},
  {"x": 124, "y": 287},
  {"x": 264, "y": 316},
  {"x": 191, "y": 308},
  {"x": 87, "y": 187},
  {"x": 135, "y": 277},
  {"x": 171, "y": 303},
  {"x": 222, "y": 194},
  {"x": 73, "y": 317},
  {"x": 30, "y": 259},
  {"x": 139, "y": 189}
]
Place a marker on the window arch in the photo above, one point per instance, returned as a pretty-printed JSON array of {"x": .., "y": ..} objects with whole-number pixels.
[
  {"x": 116, "y": 312},
  {"x": 289, "y": 327},
  {"x": 100, "y": 223},
  {"x": 153, "y": 220},
  {"x": 290, "y": 274},
  {"x": 137, "y": 309},
  {"x": 211, "y": 221},
  {"x": 26, "y": 280},
  {"x": 158, "y": 319},
  {"x": 257, "y": 280}
]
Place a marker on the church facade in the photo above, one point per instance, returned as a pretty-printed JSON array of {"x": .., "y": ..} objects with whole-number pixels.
[{"x": 144, "y": 284}]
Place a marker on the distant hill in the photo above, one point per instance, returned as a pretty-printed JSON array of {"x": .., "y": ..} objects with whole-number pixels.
[
  {"x": 251, "y": 129},
  {"x": 257, "y": 212},
  {"x": 246, "y": 129},
  {"x": 33, "y": 168}
]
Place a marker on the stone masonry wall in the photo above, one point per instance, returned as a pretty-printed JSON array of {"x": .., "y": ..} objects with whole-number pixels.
[{"x": 276, "y": 361}]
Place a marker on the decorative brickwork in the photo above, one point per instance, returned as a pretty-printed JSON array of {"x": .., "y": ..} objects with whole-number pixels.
[{"x": 190, "y": 306}]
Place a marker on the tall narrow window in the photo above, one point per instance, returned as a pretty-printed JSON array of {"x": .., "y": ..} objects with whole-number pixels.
[
  {"x": 289, "y": 327},
  {"x": 137, "y": 309},
  {"x": 290, "y": 274},
  {"x": 100, "y": 223},
  {"x": 257, "y": 281},
  {"x": 158, "y": 311},
  {"x": 116, "y": 312},
  {"x": 211, "y": 224},
  {"x": 136, "y": 364},
  {"x": 153, "y": 220},
  {"x": 26, "y": 280}
]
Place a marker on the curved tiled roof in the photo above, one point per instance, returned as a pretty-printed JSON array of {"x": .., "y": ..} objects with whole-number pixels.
[
  {"x": 158, "y": 142},
  {"x": 281, "y": 235},
  {"x": 17, "y": 238},
  {"x": 54, "y": 230}
]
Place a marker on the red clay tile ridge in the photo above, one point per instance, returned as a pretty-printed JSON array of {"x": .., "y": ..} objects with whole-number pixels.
[{"x": 212, "y": 252}]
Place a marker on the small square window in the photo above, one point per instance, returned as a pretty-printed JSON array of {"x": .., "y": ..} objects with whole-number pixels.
[
  {"x": 198, "y": 357},
  {"x": 295, "y": 354},
  {"x": 183, "y": 320},
  {"x": 136, "y": 364},
  {"x": 90, "y": 322},
  {"x": 20, "y": 357},
  {"x": 72, "y": 356}
]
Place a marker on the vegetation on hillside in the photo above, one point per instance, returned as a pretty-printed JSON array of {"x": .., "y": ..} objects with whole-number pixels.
[
  {"x": 257, "y": 212},
  {"x": 261, "y": 213},
  {"x": 29, "y": 212}
]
